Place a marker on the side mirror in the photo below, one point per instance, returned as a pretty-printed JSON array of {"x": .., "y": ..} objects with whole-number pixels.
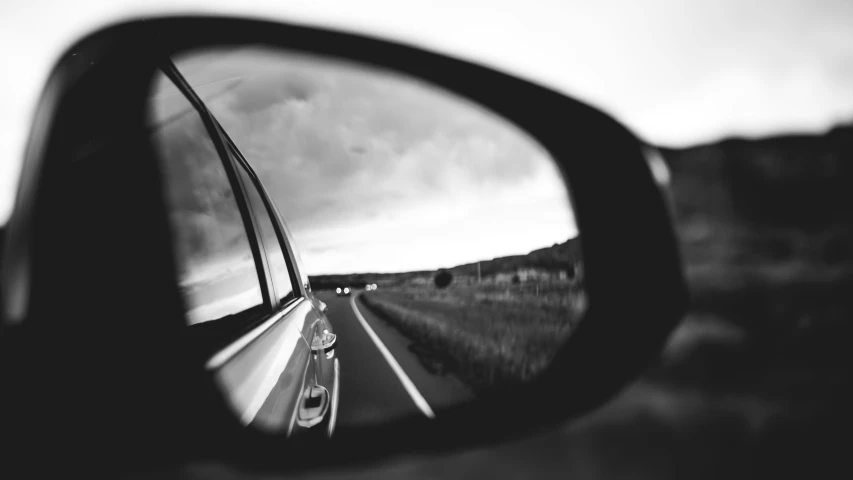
[
  {"x": 323, "y": 307},
  {"x": 93, "y": 222},
  {"x": 324, "y": 341}
]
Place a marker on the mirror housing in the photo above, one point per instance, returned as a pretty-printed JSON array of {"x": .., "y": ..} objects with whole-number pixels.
[{"x": 59, "y": 247}]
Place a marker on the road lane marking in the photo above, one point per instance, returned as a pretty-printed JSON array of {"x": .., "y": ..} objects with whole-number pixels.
[{"x": 419, "y": 400}]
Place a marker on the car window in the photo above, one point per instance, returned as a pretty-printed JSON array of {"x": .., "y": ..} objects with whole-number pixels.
[
  {"x": 294, "y": 249},
  {"x": 303, "y": 272},
  {"x": 216, "y": 268},
  {"x": 275, "y": 255}
]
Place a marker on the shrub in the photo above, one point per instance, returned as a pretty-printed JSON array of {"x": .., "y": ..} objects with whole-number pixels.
[{"x": 443, "y": 278}]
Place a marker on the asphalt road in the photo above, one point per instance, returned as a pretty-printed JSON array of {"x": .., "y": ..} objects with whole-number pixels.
[{"x": 381, "y": 379}]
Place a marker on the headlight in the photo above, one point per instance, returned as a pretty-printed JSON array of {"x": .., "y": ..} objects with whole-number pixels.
[
  {"x": 338, "y": 290},
  {"x": 346, "y": 290}
]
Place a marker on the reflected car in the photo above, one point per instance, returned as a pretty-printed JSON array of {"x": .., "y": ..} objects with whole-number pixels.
[
  {"x": 244, "y": 285},
  {"x": 343, "y": 291}
]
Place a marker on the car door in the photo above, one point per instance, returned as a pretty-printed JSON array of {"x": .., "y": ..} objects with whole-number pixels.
[{"x": 244, "y": 318}]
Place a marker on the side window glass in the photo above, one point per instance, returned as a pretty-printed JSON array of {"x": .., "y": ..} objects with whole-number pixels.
[
  {"x": 275, "y": 255},
  {"x": 305, "y": 281},
  {"x": 300, "y": 264},
  {"x": 216, "y": 267}
]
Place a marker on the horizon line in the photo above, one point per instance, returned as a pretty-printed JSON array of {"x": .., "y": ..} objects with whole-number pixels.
[{"x": 441, "y": 268}]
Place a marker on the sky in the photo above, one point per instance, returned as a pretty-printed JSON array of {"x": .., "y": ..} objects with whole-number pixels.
[
  {"x": 676, "y": 72},
  {"x": 379, "y": 172}
]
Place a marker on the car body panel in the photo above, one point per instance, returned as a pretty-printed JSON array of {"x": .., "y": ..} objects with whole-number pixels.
[{"x": 265, "y": 379}]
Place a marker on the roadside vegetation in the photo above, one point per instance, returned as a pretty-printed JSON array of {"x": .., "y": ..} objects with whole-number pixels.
[{"x": 488, "y": 335}]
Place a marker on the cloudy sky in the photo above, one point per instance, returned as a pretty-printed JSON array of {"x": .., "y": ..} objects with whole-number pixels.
[
  {"x": 379, "y": 172},
  {"x": 677, "y": 72}
]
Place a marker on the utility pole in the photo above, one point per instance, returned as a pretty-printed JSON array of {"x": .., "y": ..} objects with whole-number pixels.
[{"x": 479, "y": 278}]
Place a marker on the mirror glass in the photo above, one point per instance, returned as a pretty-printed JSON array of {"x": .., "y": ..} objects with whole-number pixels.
[{"x": 312, "y": 196}]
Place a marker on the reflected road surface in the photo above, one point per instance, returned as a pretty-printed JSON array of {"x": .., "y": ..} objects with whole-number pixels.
[{"x": 372, "y": 390}]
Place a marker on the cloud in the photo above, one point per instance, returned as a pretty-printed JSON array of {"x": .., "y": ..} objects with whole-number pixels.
[{"x": 358, "y": 158}]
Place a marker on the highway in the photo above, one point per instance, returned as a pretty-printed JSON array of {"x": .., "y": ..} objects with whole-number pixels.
[{"x": 381, "y": 379}]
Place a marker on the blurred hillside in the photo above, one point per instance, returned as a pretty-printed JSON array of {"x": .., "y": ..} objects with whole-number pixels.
[
  {"x": 766, "y": 200},
  {"x": 766, "y": 228},
  {"x": 556, "y": 257},
  {"x": 767, "y": 240}
]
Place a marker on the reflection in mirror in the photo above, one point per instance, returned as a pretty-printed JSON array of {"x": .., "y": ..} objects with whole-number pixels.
[{"x": 438, "y": 238}]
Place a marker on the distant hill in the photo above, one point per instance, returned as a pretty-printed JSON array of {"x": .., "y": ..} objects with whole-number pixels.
[
  {"x": 765, "y": 200},
  {"x": 800, "y": 181},
  {"x": 556, "y": 257}
]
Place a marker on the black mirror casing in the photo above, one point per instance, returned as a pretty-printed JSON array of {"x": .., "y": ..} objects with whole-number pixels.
[{"x": 84, "y": 318}]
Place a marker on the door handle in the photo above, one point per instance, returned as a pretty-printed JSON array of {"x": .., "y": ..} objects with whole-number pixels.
[{"x": 313, "y": 406}]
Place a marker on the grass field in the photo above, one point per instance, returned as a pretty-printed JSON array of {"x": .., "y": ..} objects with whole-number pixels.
[{"x": 488, "y": 335}]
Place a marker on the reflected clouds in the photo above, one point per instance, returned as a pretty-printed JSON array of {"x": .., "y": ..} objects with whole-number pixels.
[{"x": 374, "y": 171}]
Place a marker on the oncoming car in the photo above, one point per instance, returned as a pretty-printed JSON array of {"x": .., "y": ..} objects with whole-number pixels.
[{"x": 343, "y": 291}]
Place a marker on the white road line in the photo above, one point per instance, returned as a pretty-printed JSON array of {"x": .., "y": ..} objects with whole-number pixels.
[{"x": 404, "y": 379}]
